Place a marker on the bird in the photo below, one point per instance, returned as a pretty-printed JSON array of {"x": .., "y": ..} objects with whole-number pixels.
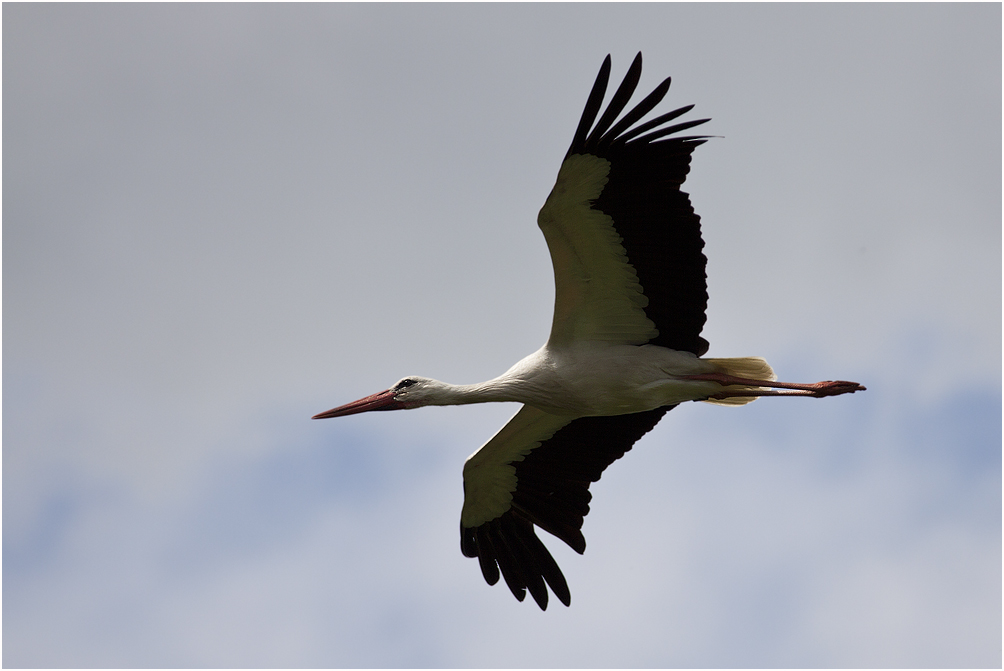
[{"x": 625, "y": 345}]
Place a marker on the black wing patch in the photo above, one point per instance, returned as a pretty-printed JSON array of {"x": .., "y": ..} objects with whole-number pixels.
[
  {"x": 657, "y": 224},
  {"x": 552, "y": 492}
]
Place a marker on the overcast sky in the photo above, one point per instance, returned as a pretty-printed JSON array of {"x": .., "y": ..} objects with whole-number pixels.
[{"x": 222, "y": 219}]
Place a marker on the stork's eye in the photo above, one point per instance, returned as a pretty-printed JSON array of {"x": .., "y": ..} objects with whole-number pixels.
[{"x": 404, "y": 384}]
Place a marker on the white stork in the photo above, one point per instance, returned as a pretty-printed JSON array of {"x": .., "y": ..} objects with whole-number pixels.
[{"x": 625, "y": 344}]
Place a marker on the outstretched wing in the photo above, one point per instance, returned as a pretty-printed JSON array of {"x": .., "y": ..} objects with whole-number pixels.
[
  {"x": 536, "y": 471},
  {"x": 624, "y": 239}
]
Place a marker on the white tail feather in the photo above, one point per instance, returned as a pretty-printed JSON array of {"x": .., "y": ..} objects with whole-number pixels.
[{"x": 752, "y": 367}]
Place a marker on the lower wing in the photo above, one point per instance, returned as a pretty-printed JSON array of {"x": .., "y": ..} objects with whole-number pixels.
[{"x": 537, "y": 471}]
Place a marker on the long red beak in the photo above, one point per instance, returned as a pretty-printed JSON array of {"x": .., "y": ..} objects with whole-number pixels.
[{"x": 381, "y": 401}]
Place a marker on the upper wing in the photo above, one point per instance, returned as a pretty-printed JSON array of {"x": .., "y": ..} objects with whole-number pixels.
[
  {"x": 537, "y": 470},
  {"x": 624, "y": 240}
]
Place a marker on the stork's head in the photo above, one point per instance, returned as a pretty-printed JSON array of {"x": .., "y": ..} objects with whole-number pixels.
[{"x": 410, "y": 392}]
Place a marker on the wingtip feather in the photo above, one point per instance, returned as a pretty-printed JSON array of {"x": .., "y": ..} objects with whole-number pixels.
[{"x": 593, "y": 105}]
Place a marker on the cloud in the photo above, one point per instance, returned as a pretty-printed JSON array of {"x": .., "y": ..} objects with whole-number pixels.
[{"x": 222, "y": 220}]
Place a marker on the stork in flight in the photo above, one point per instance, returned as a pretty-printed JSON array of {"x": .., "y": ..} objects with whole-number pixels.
[{"x": 625, "y": 346}]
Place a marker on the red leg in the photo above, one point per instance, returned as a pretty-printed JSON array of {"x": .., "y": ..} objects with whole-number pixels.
[{"x": 816, "y": 389}]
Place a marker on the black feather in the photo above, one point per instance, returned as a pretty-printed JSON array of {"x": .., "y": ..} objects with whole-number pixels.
[
  {"x": 593, "y": 104},
  {"x": 648, "y": 125},
  {"x": 618, "y": 102}
]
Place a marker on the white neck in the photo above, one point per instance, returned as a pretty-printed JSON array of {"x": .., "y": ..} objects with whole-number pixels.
[
  {"x": 526, "y": 382},
  {"x": 501, "y": 389}
]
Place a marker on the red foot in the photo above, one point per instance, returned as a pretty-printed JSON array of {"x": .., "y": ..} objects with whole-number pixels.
[{"x": 833, "y": 388}]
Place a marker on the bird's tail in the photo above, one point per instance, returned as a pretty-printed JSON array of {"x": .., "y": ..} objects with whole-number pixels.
[{"x": 752, "y": 367}]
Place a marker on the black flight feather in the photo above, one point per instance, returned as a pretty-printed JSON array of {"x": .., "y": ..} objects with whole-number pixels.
[{"x": 618, "y": 102}]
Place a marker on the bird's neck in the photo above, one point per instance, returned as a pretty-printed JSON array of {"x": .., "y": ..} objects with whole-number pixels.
[
  {"x": 500, "y": 389},
  {"x": 527, "y": 381}
]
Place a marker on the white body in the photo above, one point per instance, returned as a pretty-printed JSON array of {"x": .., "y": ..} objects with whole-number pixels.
[{"x": 590, "y": 378}]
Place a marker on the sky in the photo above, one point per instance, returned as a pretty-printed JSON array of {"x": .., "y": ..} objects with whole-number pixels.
[{"x": 220, "y": 220}]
